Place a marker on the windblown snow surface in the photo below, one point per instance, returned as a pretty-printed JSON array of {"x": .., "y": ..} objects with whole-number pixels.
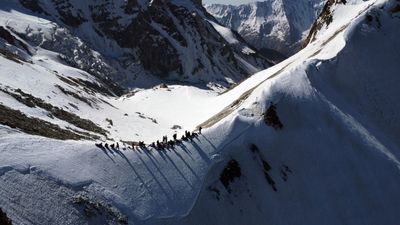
[{"x": 335, "y": 161}]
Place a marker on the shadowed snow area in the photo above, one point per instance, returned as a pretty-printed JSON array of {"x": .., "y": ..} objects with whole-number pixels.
[{"x": 334, "y": 160}]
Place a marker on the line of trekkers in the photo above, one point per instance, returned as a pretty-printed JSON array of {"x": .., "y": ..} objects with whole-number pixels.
[{"x": 159, "y": 145}]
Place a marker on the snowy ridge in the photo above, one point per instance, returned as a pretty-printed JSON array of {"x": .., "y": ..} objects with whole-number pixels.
[
  {"x": 329, "y": 155},
  {"x": 335, "y": 160}
]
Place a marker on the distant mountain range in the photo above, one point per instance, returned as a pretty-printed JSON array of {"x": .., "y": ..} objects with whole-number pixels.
[
  {"x": 137, "y": 42},
  {"x": 272, "y": 26}
]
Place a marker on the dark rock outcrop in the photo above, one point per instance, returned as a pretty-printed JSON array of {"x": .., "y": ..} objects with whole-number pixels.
[
  {"x": 230, "y": 173},
  {"x": 271, "y": 118},
  {"x": 4, "y": 220},
  {"x": 325, "y": 18}
]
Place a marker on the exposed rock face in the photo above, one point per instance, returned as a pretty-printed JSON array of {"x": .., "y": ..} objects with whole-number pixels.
[
  {"x": 68, "y": 14},
  {"x": 33, "y": 5},
  {"x": 278, "y": 25},
  {"x": 325, "y": 18},
  {"x": 127, "y": 40}
]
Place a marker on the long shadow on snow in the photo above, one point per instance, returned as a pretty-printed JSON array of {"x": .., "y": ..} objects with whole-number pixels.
[
  {"x": 159, "y": 170},
  {"x": 153, "y": 175},
  {"x": 135, "y": 172},
  {"x": 105, "y": 152},
  {"x": 202, "y": 154},
  {"x": 188, "y": 166}
]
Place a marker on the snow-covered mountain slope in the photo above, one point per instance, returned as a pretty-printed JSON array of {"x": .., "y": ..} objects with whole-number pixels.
[
  {"x": 335, "y": 161},
  {"x": 278, "y": 25},
  {"x": 326, "y": 153},
  {"x": 134, "y": 43}
]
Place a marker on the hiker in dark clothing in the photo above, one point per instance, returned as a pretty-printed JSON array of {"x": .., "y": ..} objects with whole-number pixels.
[
  {"x": 174, "y": 136},
  {"x": 191, "y": 136},
  {"x": 184, "y": 138},
  {"x": 200, "y": 128},
  {"x": 112, "y": 146},
  {"x": 141, "y": 144},
  {"x": 153, "y": 145},
  {"x": 99, "y": 145},
  {"x": 106, "y": 145},
  {"x": 117, "y": 146}
]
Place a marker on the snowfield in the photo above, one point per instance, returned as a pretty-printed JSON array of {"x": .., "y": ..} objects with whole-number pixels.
[{"x": 335, "y": 160}]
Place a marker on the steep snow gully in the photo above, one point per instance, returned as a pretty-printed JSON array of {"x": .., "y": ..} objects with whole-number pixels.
[{"x": 334, "y": 160}]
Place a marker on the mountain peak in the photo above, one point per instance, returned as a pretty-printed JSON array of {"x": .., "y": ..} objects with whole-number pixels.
[{"x": 277, "y": 25}]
